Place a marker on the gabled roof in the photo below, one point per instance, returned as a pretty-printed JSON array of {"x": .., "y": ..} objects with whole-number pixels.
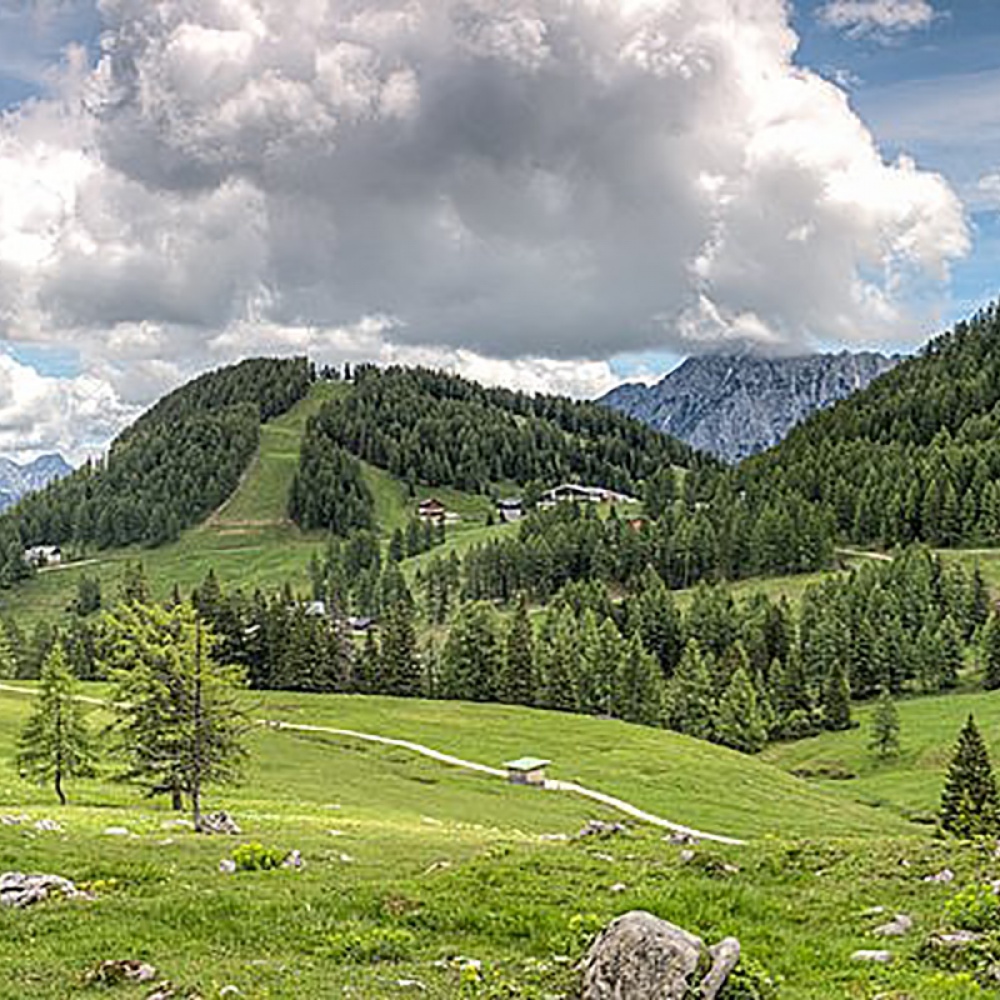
[{"x": 527, "y": 764}]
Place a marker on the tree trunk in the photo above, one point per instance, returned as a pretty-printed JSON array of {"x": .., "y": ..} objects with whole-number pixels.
[
  {"x": 177, "y": 798},
  {"x": 59, "y": 789},
  {"x": 196, "y": 768}
]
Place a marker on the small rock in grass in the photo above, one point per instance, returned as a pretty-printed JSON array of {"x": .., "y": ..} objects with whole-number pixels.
[
  {"x": 117, "y": 831},
  {"x": 954, "y": 940},
  {"x": 115, "y": 971},
  {"x": 943, "y": 877},
  {"x": 227, "y": 866},
  {"x": 687, "y": 857},
  {"x": 438, "y": 866},
  {"x": 48, "y": 826},
  {"x": 410, "y": 984},
  {"x": 14, "y": 820},
  {"x": 294, "y": 860},
  {"x": 899, "y": 927},
  {"x": 346, "y": 859},
  {"x": 177, "y": 824},
  {"x": 602, "y": 829},
  {"x": 229, "y": 991},
  {"x": 553, "y": 836},
  {"x": 618, "y": 887},
  {"x": 681, "y": 839},
  {"x": 600, "y": 856},
  {"x": 873, "y": 911},
  {"x": 873, "y": 957},
  {"x": 18, "y": 890},
  {"x": 219, "y": 823}
]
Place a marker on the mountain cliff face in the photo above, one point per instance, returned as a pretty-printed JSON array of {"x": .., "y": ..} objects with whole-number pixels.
[
  {"x": 735, "y": 406},
  {"x": 17, "y": 480}
]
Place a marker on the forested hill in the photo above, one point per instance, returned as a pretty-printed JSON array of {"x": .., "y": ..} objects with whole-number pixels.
[
  {"x": 429, "y": 427},
  {"x": 166, "y": 472},
  {"x": 915, "y": 456}
]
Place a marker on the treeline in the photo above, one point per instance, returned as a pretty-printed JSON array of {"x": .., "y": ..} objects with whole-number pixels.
[
  {"x": 726, "y": 538},
  {"x": 914, "y": 457},
  {"x": 177, "y": 463},
  {"x": 429, "y": 427}
]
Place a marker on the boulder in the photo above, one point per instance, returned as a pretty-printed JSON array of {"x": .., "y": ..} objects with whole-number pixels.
[
  {"x": 641, "y": 957},
  {"x": 601, "y": 829},
  {"x": 18, "y": 890},
  {"x": 875, "y": 957},
  {"x": 900, "y": 926}
]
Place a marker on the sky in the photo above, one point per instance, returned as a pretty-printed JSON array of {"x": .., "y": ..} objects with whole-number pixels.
[{"x": 553, "y": 194}]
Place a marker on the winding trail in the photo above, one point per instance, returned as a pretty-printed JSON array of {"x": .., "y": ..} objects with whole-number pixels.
[
  {"x": 550, "y": 786},
  {"x": 568, "y": 787}
]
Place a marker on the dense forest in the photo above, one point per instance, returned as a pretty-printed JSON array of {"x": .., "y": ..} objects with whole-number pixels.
[
  {"x": 429, "y": 427},
  {"x": 173, "y": 466},
  {"x": 915, "y": 457},
  {"x": 736, "y": 673}
]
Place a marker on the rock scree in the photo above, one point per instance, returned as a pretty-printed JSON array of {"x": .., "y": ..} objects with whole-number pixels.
[{"x": 640, "y": 957}]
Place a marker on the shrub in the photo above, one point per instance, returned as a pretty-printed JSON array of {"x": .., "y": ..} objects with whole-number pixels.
[
  {"x": 363, "y": 945},
  {"x": 749, "y": 981},
  {"x": 257, "y": 858},
  {"x": 975, "y": 908}
]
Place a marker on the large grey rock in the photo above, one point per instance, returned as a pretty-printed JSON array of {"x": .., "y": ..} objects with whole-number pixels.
[
  {"x": 641, "y": 957},
  {"x": 219, "y": 822},
  {"x": 18, "y": 890},
  {"x": 898, "y": 927}
]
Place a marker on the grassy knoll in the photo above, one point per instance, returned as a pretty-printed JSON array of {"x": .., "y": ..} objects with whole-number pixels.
[
  {"x": 910, "y": 783},
  {"x": 410, "y": 863}
]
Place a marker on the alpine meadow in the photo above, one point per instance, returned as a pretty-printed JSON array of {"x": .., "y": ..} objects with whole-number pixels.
[{"x": 499, "y": 500}]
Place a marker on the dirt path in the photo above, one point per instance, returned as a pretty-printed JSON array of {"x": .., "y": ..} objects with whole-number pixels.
[
  {"x": 569, "y": 787},
  {"x": 551, "y": 786}
]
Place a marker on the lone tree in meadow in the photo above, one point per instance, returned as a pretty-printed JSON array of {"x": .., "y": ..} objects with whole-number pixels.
[
  {"x": 970, "y": 806},
  {"x": 55, "y": 744},
  {"x": 884, "y": 740},
  {"x": 180, "y": 725}
]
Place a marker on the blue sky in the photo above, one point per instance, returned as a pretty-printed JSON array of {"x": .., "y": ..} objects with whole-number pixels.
[{"x": 450, "y": 206}]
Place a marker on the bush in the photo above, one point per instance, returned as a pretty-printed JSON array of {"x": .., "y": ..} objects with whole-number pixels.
[
  {"x": 749, "y": 981},
  {"x": 363, "y": 945},
  {"x": 257, "y": 858},
  {"x": 975, "y": 908}
]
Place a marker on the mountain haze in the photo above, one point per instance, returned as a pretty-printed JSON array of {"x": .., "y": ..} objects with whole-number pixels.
[{"x": 733, "y": 406}]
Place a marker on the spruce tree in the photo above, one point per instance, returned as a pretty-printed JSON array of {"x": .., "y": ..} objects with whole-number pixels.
[
  {"x": 639, "y": 691},
  {"x": 519, "y": 684},
  {"x": 400, "y": 672},
  {"x": 837, "y": 699},
  {"x": 991, "y": 653},
  {"x": 559, "y": 662},
  {"x": 8, "y": 659},
  {"x": 884, "y": 740},
  {"x": 473, "y": 655},
  {"x": 970, "y": 806},
  {"x": 950, "y": 646},
  {"x": 691, "y": 706},
  {"x": 740, "y": 725},
  {"x": 55, "y": 744}
]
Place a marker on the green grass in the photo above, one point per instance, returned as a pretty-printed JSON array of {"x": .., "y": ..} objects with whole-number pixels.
[
  {"x": 910, "y": 783},
  {"x": 419, "y": 863}
]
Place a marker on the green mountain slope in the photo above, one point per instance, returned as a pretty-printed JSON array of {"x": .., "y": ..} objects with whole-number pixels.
[{"x": 915, "y": 456}]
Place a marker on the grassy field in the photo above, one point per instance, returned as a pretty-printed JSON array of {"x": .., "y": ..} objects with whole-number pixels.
[
  {"x": 911, "y": 783},
  {"x": 410, "y": 864}
]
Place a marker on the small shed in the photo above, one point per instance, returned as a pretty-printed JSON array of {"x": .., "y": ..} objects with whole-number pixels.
[
  {"x": 432, "y": 510},
  {"x": 511, "y": 509},
  {"x": 527, "y": 771}
]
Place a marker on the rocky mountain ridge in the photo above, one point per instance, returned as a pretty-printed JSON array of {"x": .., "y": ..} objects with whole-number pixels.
[
  {"x": 733, "y": 406},
  {"x": 16, "y": 480}
]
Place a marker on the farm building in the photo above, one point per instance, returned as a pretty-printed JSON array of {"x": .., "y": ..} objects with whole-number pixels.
[
  {"x": 527, "y": 771},
  {"x": 432, "y": 510},
  {"x": 575, "y": 493},
  {"x": 43, "y": 555},
  {"x": 510, "y": 510}
]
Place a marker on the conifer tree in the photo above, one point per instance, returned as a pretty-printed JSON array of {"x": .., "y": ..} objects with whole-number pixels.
[
  {"x": 55, "y": 745},
  {"x": 473, "y": 655},
  {"x": 400, "y": 672},
  {"x": 970, "y": 806},
  {"x": 991, "y": 653},
  {"x": 837, "y": 699},
  {"x": 559, "y": 662},
  {"x": 740, "y": 725},
  {"x": 8, "y": 659},
  {"x": 691, "y": 706},
  {"x": 950, "y": 649},
  {"x": 639, "y": 691},
  {"x": 519, "y": 684},
  {"x": 884, "y": 740}
]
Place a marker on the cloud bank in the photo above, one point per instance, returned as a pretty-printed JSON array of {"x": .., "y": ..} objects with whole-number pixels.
[
  {"x": 882, "y": 19},
  {"x": 517, "y": 189}
]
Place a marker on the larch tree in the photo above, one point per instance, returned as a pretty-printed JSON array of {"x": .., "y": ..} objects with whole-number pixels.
[
  {"x": 885, "y": 726},
  {"x": 55, "y": 744}
]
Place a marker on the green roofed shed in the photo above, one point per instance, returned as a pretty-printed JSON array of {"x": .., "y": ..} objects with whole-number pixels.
[{"x": 527, "y": 771}]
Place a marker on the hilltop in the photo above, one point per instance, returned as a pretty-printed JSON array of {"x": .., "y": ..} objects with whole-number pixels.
[{"x": 734, "y": 406}]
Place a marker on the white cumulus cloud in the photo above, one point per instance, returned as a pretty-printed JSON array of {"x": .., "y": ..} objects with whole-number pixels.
[
  {"x": 881, "y": 18},
  {"x": 517, "y": 189}
]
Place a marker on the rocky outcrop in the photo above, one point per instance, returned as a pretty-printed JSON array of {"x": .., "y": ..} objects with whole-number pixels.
[
  {"x": 17, "y": 481},
  {"x": 641, "y": 957},
  {"x": 735, "y": 406},
  {"x": 18, "y": 890}
]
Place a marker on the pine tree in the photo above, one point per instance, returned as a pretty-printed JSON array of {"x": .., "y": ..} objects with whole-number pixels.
[
  {"x": 884, "y": 741},
  {"x": 8, "y": 659},
  {"x": 740, "y": 725},
  {"x": 991, "y": 653},
  {"x": 691, "y": 706},
  {"x": 473, "y": 655},
  {"x": 55, "y": 744},
  {"x": 559, "y": 662},
  {"x": 400, "y": 672},
  {"x": 639, "y": 691},
  {"x": 837, "y": 699},
  {"x": 970, "y": 806},
  {"x": 518, "y": 684},
  {"x": 950, "y": 647}
]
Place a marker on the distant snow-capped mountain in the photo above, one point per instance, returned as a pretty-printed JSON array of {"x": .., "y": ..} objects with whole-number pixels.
[
  {"x": 737, "y": 405},
  {"x": 17, "y": 480}
]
